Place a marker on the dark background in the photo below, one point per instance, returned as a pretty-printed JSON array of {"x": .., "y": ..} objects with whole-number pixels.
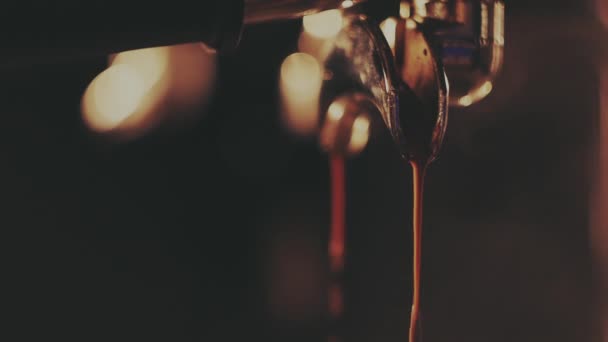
[{"x": 217, "y": 231}]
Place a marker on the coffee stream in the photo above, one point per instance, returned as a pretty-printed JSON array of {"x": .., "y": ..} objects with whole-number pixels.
[
  {"x": 418, "y": 173},
  {"x": 336, "y": 245}
]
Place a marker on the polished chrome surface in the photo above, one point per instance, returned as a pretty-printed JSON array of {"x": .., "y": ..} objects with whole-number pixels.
[
  {"x": 472, "y": 48},
  {"x": 257, "y": 11},
  {"x": 346, "y": 127},
  {"x": 412, "y": 98},
  {"x": 424, "y": 114}
]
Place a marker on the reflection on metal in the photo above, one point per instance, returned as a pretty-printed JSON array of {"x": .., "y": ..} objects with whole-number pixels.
[
  {"x": 405, "y": 9},
  {"x": 412, "y": 100},
  {"x": 318, "y": 31},
  {"x": 300, "y": 85},
  {"x": 113, "y": 97},
  {"x": 360, "y": 78},
  {"x": 323, "y": 25},
  {"x": 348, "y": 3},
  {"x": 470, "y": 40},
  {"x": 419, "y": 8},
  {"x": 389, "y": 29},
  {"x": 345, "y": 130},
  {"x": 126, "y": 94},
  {"x": 473, "y": 50},
  {"x": 476, "y": 94},
  {"x": 360, "y": 134},
  {"x": 422, "y": 117},
  {"x": 257, "y": 11},
  {"x": 361, "y": 82}
]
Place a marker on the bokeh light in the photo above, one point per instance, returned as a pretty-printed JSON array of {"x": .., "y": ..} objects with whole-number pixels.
[
  {"x": 347, "y": 4},
  {"x": 405, "y": 10},
  {"x": 318, "y": 33},
  {"x": 146, "y": 87},
  {"x": 359, "y": 135},
  {"x": 301, "y": 78},
  {"x": 475, "y": 95},
  {"x": 323, "y": 25},
  {"x": 389, "y": 29},
  {"x": 114, "y": 96}
]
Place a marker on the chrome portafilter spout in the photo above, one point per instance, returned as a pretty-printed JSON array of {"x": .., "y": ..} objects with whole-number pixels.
[
  {"x": 423, "y": 94},
  {"x": 410, "y": 95},
  {"x": 408, "y": 91}
]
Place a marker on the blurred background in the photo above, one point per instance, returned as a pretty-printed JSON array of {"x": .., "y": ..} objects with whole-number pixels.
[{"x": 214, "y": 226}]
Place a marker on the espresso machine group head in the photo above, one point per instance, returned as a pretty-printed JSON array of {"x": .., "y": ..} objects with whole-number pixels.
[
  {"x": 401, "y": 70},
  {"x": 398, "y": 71}
]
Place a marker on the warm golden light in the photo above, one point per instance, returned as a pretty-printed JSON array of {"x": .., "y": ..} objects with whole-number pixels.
[
  {"x": 151, "y": 63},
  {"x": 420, "y": 7},
  {"x": 192, "y": 76},
  {"x": 465, "y": 101},
  {"x": 123, "y": 94},
  {"x": 142, "y": 87},
  {"x": 335, "y": 112},
  {"x": 301, "y": 72},
  {"x": 318, "y": 31},
  {"x": 323, "y": 25},
  {"x": 499, "y": 23},
  {"x": 485, "y": 89},
  {"x": 389, "y": 28},
  {"x": 485, "y": 25},
  {"x": 476, "y": 94},
  {"x": 301, "y": 78},
  {"x": 113, "y": 97},
  {"x": 405, "y": 10},
  {"x": 410, "y": 24},
  {"x": 347, "y": 4},
  {"x": 360, "y": 134}
]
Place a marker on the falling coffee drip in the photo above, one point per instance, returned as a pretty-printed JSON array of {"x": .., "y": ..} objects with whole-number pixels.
[
  {"x": 418, "y": 174},
  {"x": 409, "y": 90},
  {"x": 344, "y": 133},
  {"x": 336, "y": 246}
]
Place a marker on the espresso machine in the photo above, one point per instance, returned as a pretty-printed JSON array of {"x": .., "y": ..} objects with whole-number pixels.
[{"x": 166, "y": 168}]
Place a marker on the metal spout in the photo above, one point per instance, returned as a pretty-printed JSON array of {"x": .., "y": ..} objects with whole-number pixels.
[{"x": 410, "y": 95}]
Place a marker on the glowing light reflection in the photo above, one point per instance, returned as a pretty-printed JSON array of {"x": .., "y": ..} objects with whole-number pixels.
[
  {"x": 324, "y": 25},
  {"x": 300, "y": 84},
  {"x": 405, "y": 10},
  {"x": 389, "y": 29},
  {"x": 360, "y": 134},
  {"x": 335, "y": 112},
  {"x": 113, "y": 97},
  {"x": 465, "y": 101},
  {"x": 124, "y": 94},
  {"x": 347, "y": 4}
]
